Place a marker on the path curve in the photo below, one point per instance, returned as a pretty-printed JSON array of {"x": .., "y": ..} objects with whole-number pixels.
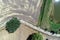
[{"x": 28, "y": 24}]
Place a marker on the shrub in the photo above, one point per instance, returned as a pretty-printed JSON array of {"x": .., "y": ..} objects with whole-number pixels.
[
  {"x": 55, "y": 27},
  {"x": 35, "y": 36},
  {"x": 12, "y": 25},
  {"x": 52, "y": 32}
]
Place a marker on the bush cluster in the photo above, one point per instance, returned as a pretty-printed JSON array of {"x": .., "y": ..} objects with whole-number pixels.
[
  {"x": 35, "y": 36},
  {"x": 12, "y": 25}
]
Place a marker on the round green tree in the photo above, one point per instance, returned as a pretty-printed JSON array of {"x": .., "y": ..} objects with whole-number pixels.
[
  {"x": 35, "y": 36},
  {"x": 12, "y": 25}
]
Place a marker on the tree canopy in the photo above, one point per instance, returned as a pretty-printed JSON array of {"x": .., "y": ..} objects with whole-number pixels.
[
  {"x": 35, "y": 36},
  {"x": 12, "y": 25}
]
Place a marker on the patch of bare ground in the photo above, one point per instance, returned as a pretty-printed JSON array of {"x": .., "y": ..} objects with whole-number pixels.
[{"x": 21, "y": 33}]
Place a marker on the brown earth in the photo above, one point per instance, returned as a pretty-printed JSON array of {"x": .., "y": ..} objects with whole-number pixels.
[{"x": 21, "y": 33}]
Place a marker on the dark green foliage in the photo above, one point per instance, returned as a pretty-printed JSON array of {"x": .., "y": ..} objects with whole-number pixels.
[
  {"x": 55, "y": 27},
  {"x": 12, "y": 25},
  {"x": 35, "y": 36}
]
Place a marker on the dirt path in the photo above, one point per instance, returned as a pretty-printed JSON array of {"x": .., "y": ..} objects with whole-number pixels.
[{"x": 20, "y": 34}]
